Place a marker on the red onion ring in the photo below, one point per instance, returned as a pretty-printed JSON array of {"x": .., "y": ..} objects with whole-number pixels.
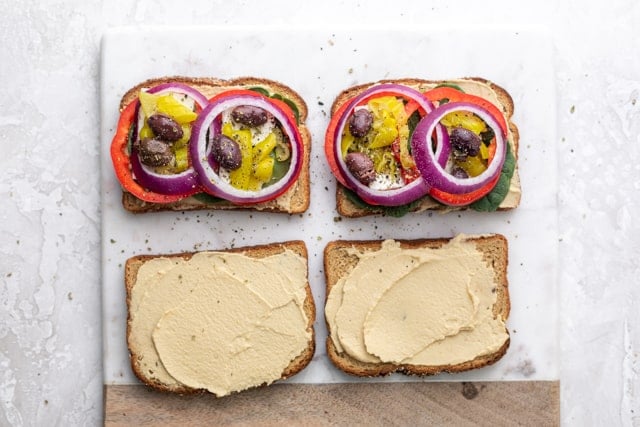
[
  {"x": 429, "y": 165},
  {"x": 397, "y": 196},
  {"x": 200, "y": 152},
  {"x": 185, "y": 182}
]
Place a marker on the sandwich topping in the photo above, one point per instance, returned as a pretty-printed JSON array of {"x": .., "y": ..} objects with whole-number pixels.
[
  {"x": 219, "y": 321},
  {"x": 416, "y": 306},
  {"x": 393, "y": 145},
  {"x": 240, "y": 145}
]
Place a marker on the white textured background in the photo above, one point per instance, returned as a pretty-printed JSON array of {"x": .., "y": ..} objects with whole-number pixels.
[{"x": 50, "y": 321}]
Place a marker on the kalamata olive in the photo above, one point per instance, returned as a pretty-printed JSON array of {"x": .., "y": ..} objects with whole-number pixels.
[
  {"x": 154, "y": 152},
  {"x": 165, "y": 128},
  {"x": 361, "y": 167},
  {"x": 249, "y": 115},
  {"x": 360, "y": 122},
  {"x": 226, "y": 152},
  {"x": 465, "y": 142},
  {"x": 458, "y": 172}
]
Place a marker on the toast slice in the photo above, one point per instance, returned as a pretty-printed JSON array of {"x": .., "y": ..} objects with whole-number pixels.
[
  {"x": 342, "y": 257},
  {"x": 349, "y": 205},
  {"x": 294, "y": 200},
  {"x": 145, "y": 361}
]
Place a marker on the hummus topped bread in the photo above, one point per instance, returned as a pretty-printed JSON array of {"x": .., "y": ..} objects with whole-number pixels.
[
  {"x": 185, "y": 143},
  {"x": 410, "y": 145},
  {"x": 220, "y": 321},
  {"x": 417, "y": 307}
]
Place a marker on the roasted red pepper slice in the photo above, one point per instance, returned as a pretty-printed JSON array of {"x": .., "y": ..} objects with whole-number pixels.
[
  {"x": 463, "y": 199},
  {"x": 122, "y": 164},
  {"x": 454, "y": 95},
  {"x": 329, "y": 143}
]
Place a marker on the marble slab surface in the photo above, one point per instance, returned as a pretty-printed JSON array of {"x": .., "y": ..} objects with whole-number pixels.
[{"x": 327, "y": 61}]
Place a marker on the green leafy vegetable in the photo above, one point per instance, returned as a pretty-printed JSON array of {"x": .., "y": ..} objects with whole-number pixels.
[
  {"x": 290, "y": 103},
  {"x": 491, "y": 201},
  {"x": 260, "y": 90},
  {"x": 207, "y": 198},
  {"x": 394, "y": 211},
  {"x": 451, "y": 85},
  {"x": 412, "y": 122}
]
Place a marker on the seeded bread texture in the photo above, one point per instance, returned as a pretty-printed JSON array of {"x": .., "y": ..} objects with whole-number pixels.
[
  {"x": 345, "y": 205},
  {"x": 294, "y": 200},
  {"x": 338, "y": 263},
  {"x": 130, "y": 273}
]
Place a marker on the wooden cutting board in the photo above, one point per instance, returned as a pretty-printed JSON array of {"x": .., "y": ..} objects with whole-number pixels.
[{"x": 372, "y": 404}]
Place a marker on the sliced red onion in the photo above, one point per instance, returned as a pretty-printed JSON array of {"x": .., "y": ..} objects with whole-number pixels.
[
  {"x": 397, "y": 196},
  {"x": 186, "y": 182},
  {"x": 200, "y": 152},
  {"x": 200, "y": 99},
  {"x": 430, "y": 166}
]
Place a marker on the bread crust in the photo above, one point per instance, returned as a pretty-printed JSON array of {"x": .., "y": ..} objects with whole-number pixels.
[
  {"x": 298, "y": 194},
  {"x": 338, "y": 263},
  {"x": 347, "y": 208},
  {"x": 132, "y": 266}
]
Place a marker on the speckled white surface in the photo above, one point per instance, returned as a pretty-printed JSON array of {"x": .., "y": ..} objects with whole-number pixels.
[{"x": 50, "y": 296}]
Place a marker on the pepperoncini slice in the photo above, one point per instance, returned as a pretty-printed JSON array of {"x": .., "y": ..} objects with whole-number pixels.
[
  {"x": 264, "y": 148},
  {"x": 182, "y": 159},
  {"x": 263, "y": 170},
  {"x": 148, "y": 102},
  {"x": 170, "y": 106},
  {"x": 474, "y": 166},
  {"x": 465, "y": 119},
  {"x": 240, "y": 177}
]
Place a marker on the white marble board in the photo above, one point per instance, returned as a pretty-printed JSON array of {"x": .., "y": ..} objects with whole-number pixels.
[{"x": 318, "y": 63}]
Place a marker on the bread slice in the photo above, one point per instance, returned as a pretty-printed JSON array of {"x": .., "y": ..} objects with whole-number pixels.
[
  {"x": 294, "y": 200},
  {"x": 338, "y": 262},
  {"x": 137, "y": 353},
  {"x": 345, "y": 203}
]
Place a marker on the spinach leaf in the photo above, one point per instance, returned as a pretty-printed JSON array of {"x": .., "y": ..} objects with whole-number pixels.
[
  {"x": 412, "y": 122},
  {"x": 451, "y": 85},
  {"x": 290, "y": 103},
  {"x": 394, "y": 211},
  {"x": 260, "y": 90},
  {"x": 491, "y": 201},
  {"x": 207, "y": 198}
]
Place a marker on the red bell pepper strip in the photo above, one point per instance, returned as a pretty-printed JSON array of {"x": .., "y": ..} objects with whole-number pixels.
[
  {"x": 330, "y": 142},
  {"x": 454, "y": 95},
  {"x": 122, "y": 163},
  {"x": 463, "y": 199}
]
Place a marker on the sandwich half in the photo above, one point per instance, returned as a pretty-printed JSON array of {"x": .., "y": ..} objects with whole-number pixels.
[
  {"x": 185, "y": 143},
  {"x": 220, "y": 321},
  {"x": 417, "y": 307},
  {"x": 410, "y": 145}
]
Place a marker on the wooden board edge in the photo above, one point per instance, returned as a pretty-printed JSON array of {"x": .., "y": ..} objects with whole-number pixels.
[{"x": 410, "y": 403}]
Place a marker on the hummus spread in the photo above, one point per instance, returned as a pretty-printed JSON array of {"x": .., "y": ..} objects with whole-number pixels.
[
  {"x": 416, "y": 306},
  {"x": 219, "y": 321}
]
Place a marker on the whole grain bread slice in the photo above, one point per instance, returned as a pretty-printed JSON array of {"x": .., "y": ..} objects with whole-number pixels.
[
  {"x": 345, "y": 204},
  {"x": 294, "y": 200},
  {"x": 338, "y": 263},
  {"x": 132, "y": 266}
]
